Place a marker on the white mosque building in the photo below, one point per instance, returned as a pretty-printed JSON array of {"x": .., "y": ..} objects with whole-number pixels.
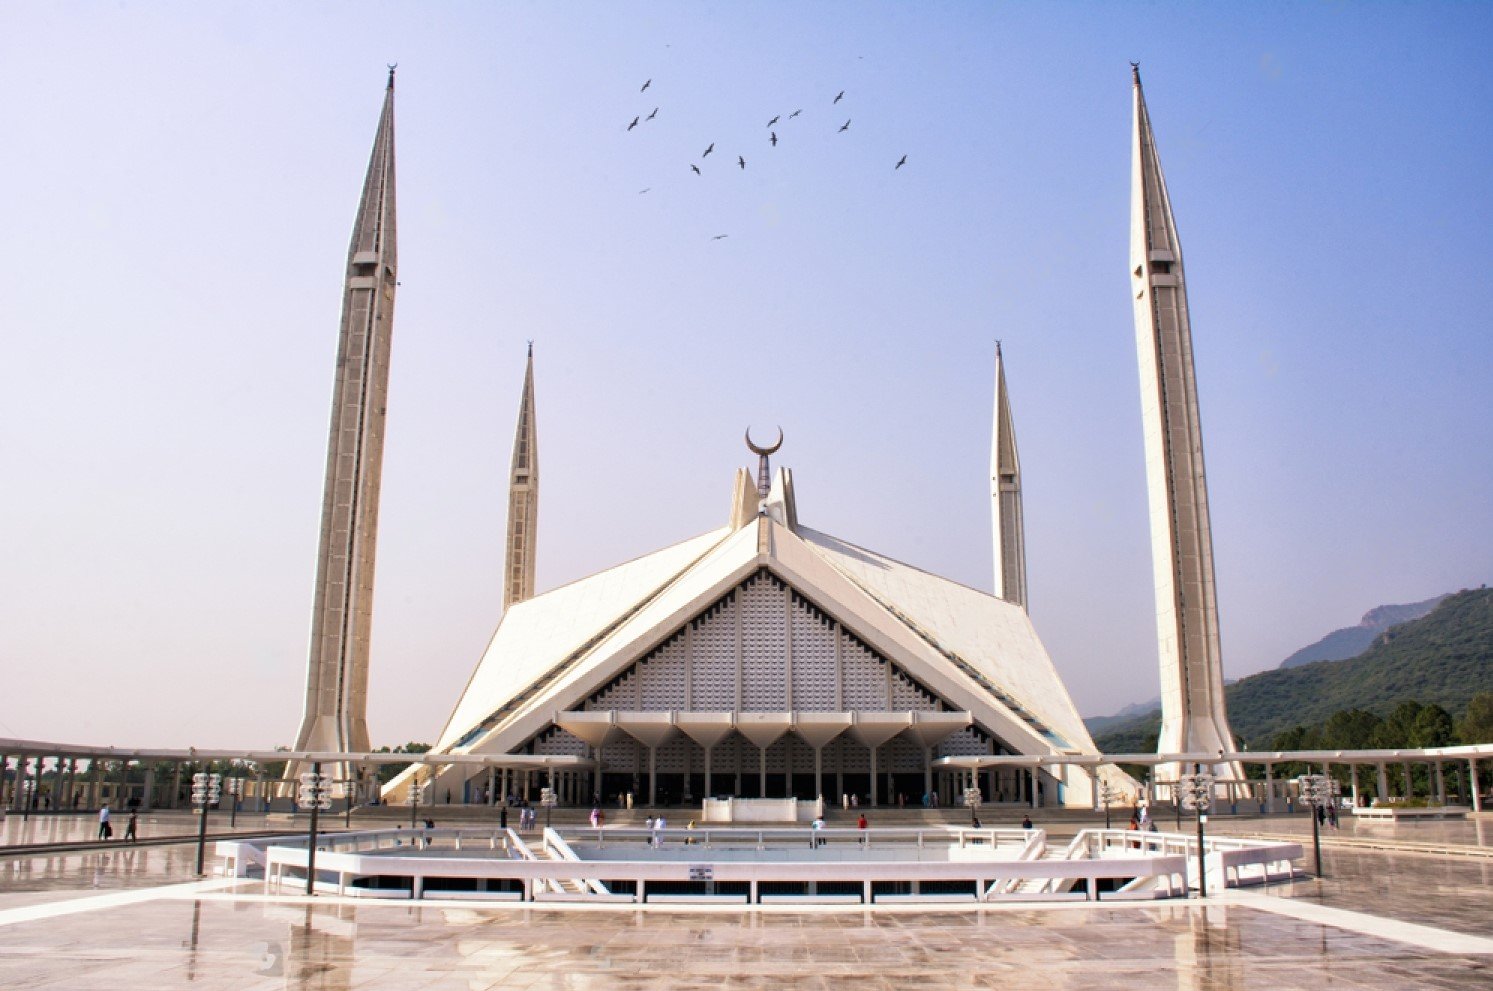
[{"x": 766, "y": 659}]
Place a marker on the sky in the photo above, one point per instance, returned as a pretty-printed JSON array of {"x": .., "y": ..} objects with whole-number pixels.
[{"x": 177, "y": 189}]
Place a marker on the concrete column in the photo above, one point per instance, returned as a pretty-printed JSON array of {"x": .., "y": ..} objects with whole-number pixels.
[
  {"x": 96, "y": 771},
  {"x": 34, "y": 799},
  {"x": 1440, "y": 783},
  {"x": 1270, "y": 788},
  {"x": 150, "y": 787},
  {"x": 1472, "y": 788},
  {"x": 4, "y": 777},
  {"x": 492, "y": 784},
  {"x": 653, "y": 775},
  {"x": 1353, "y": 777},
  {"x": 818, "y": 773},
  {"x": 175, "y": 787},
  {"x": 1383, "y": 782},
  {"x": 928, "y": 770},
  {"x": 762, "y": 772},
  {"x": 18, "y": 788},
  {"x": 873, "y": 777},
  {"x": 708, "y": 790},
  {"x": 71, "y": 782},
  {"x": 1032, "y": 785},
  {"x": 1409, "y": 782}
]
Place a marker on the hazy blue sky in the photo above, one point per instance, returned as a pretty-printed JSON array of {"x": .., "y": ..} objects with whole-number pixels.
[{"x": 177, "y": 187}]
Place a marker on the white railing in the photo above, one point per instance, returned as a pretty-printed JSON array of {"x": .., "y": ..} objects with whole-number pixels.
[
  {"x": 754, "y": 838},
  {"x": 1013, "y": 864},
  {"x": 555, "y": 844}
]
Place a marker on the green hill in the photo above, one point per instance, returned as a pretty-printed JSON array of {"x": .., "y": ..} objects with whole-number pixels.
[{"x": 1443, "y": 658}]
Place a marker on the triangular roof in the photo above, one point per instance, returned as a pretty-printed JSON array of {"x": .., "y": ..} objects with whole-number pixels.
[{"x": 978, "y": 652}]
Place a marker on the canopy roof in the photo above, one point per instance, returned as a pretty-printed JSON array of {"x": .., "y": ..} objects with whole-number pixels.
[{"x": 979, "y": 653}]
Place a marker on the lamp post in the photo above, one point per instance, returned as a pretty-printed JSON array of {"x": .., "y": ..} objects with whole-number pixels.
[
  {"x": 973, "y": 798},
  {"x": 414, "y": 796},
  {"x": 316, "y": 792},
  {"x": 1106, "y": 795},
  {"x": 207, "y": 789},
  {"x": 1316, "y": 789},
  {"x": 1196, "y": 791},
  {"x": 235, "y": 788}
]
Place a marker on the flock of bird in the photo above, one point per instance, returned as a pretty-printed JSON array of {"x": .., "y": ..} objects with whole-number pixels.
[{"x": 772, "y": 136}]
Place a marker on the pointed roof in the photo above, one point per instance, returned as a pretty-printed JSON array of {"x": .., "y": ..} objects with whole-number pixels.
[
  {"x": 1008, "y": 533},
  {"x": 555, "y": 650},
  {"x": 520, "y": 554},
  {"x": 374, "y": 234},
  {"x": 1153, "y": 229}
]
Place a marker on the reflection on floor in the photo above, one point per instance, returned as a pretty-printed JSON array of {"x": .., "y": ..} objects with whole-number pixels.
[{"x": 130, "y": 919}]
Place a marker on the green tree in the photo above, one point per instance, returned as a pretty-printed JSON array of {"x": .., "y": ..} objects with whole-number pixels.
[
  {"x": 1477, "y": 724},
  {"x": 386, "y": 772},
  {"x": 1432, "y": 727},
  {"x": 1350, "y": 729},
  {"x": 1399, "y": 728}
]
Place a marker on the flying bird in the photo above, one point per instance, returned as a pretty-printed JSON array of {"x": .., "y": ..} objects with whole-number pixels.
[
  {"x": 633, "y": 124},
  {"x": 719, "y": 236},
  {"x": 741, "y": 161},
  {"x": 697, "y": 169},
  {"x": 652, "y": 115},
  {"x": 708, "y": 150},
  {"x": 774, "y": 139},
  {"x": 642, "y": 191},
  {"x": 645, "y": 86},
  {"x": 845, "y": 126},
  {"x": 838, "y": 98},
  {"x": 775, "y": 120},
  {"x": 900, "y": 162},
  {"x": 794, "y": 114}
]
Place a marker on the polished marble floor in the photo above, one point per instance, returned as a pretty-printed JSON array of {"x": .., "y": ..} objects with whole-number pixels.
[{"x": 139, "y": 919}]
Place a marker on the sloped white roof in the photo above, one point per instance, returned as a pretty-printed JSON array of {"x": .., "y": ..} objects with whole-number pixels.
[
  {"x": 993, "y": 635},
  {"x": 555, "y": 649},
  {"x": 536, "y": 635}
]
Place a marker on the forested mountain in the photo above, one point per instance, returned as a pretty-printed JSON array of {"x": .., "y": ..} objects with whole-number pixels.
[{"x": 1442, "y": 659}]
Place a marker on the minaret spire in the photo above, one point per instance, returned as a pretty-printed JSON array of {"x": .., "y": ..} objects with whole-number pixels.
[
  {"x": 1008, "y": 532},
  {"x": 342, "y": 614},
  {"x": 1193, "y": 718},
  {"x": 523, "y": 498}
]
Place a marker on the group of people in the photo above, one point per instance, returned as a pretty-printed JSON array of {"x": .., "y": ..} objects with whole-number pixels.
[{"x": 106, "y": 828}]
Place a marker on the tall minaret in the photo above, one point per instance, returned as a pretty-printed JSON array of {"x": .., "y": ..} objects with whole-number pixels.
[
  {"x": 337, "y": 675},
  {"x": 1192, "y": 700},
  {"x": 523, "y": 499},
  {"x": 1006, "y": 528}
]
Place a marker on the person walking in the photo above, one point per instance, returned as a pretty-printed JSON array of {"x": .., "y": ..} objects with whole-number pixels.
[
  {"x": 104, "y": 829},
  {"x": 131, "y": 827}
]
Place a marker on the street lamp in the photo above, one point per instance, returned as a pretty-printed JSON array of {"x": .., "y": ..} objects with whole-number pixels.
[
  {"x": 973, "y": 798},
  {"x": 1106, "y": 795},
  {"x": 235, "y": 789},
  {"x": 1317, "y": 789},
  {"x": 207, "y": 789},
  {"x": 1196, "y": 791},
  {"x": 315, "y": 791}
]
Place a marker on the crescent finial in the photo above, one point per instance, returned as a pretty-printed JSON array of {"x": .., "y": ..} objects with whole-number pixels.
[{"x": 763, "y": 451}]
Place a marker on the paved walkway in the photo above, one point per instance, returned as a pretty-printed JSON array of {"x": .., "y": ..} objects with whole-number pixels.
[{"x": 125, "y": 918}]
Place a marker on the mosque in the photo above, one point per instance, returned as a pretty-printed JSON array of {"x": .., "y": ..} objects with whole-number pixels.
[{"x": 764, "y": 658}]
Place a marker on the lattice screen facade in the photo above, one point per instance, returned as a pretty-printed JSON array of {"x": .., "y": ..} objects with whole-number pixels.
[{"x": 763, "y": 647}]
